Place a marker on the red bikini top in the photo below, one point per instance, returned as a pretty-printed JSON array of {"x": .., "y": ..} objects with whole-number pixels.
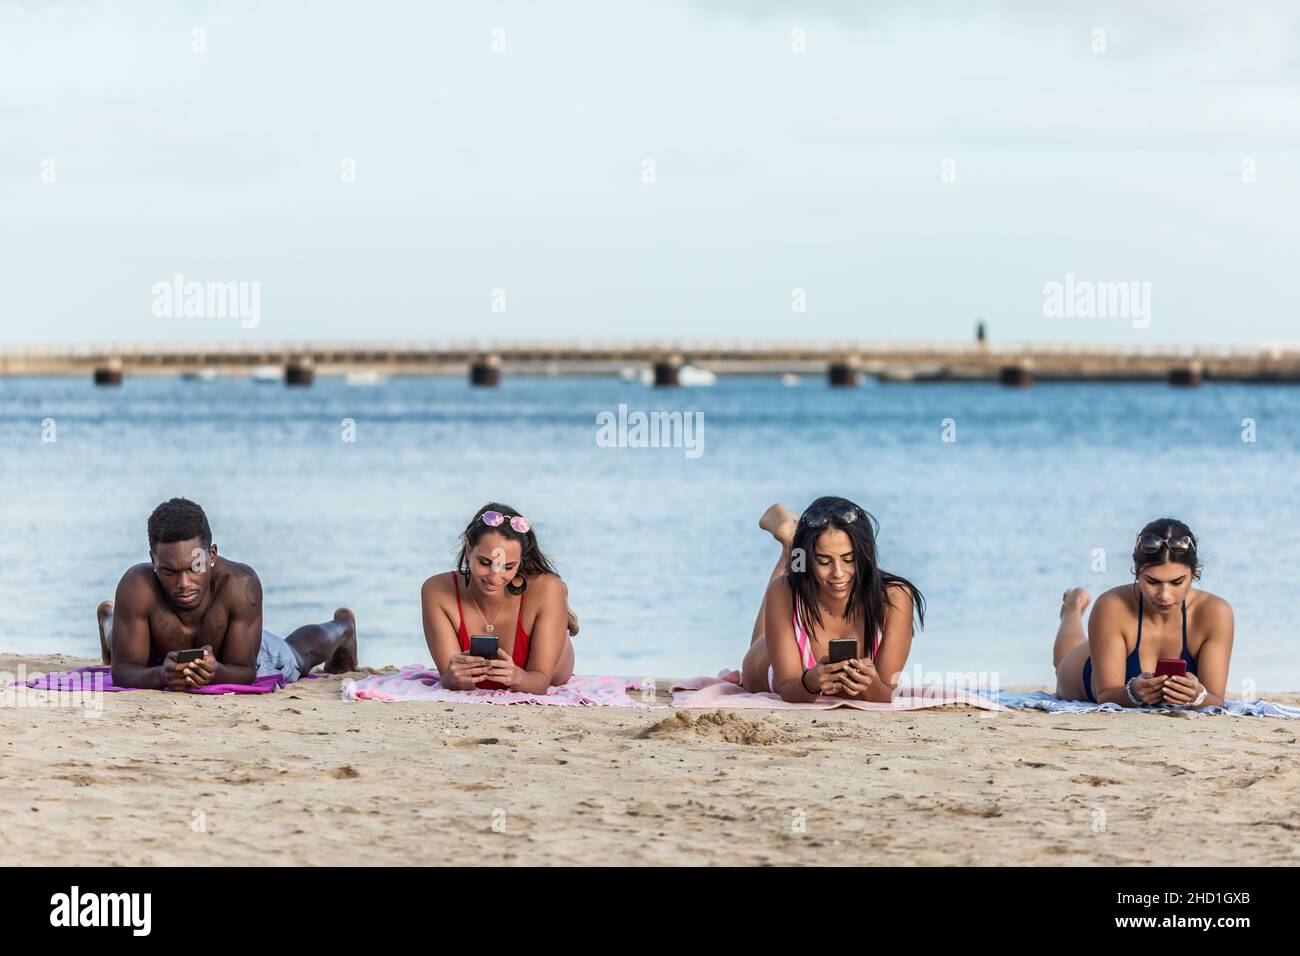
[{"x": 520, "y": 654}]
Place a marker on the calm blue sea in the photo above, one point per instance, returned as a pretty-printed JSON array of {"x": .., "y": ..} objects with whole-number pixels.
[{"x": 662, "y": 553}]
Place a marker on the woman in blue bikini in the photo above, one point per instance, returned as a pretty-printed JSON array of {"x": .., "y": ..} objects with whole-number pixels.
[{"x": 1160, "y": 615}]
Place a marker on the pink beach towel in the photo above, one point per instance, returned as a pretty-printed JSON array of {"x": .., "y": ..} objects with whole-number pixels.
[
  {"x": 725, "y": 691},
  {"x": 93, "y": 679},
  {"x": 416, "y": 682}
]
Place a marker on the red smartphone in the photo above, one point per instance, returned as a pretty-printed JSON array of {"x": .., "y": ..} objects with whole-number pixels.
[{"x": 1171, "y": 667}]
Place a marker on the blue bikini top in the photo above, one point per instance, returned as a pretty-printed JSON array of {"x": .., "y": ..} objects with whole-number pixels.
[{"x": 1133, "y": 666}]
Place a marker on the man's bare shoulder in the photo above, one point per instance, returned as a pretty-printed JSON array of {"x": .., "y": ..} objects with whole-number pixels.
[
  {"x": 139, "y": 573},
  {"x": 237, "y": 569},
  {"x": 239, "y": 585},
  {"x": 139, "y": 586}
]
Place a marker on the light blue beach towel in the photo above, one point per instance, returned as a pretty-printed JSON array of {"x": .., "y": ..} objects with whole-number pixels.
[{"x": 1039, "y": 700}]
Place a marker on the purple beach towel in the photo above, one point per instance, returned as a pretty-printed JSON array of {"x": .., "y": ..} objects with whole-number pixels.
[{"x": 99, "y": 678}]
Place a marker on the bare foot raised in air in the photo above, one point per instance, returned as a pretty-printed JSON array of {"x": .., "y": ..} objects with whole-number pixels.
[
  {"x": 779, "y": 521},
  {"x": 344, "y": 658},
  {"x": 104, "y": 617},
  {"x": 1075, "y": 600}
]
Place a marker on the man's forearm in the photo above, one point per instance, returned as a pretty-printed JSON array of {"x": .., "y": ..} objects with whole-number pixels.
[
  {"x": 137, "y": 675},
  {"x": 233, "y": 674}
]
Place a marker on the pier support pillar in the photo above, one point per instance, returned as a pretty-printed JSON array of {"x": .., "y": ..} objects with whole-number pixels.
[
  {"x": 485, "y": 371},
  {"x": 1016, "y": 376},
  {"x": 299, "y": 372},
  {"x": 1187, "y": 377},
  {"x": 668, "y": 371},
  {"x": 110, "y": 374},
  {"x": 843, "y": 374}
]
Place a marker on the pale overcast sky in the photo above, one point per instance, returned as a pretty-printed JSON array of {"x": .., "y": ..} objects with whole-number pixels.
[{"x": 503, "y": 145}]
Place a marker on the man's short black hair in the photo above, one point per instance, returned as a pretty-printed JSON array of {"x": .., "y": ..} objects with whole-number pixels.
[{"x": 178, "y": 520}]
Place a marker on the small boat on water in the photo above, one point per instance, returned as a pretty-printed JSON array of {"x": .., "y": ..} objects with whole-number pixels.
[
  {"x": 695, "y": 377},
  {"x": 202, "y": 375},
  {"x": 791, "y": 379},
  {"x": 268, "y": 375},
  {"x": 365, "y": 378}
]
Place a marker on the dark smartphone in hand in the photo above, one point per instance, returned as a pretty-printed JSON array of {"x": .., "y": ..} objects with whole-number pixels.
[
  {"x": 187, "y": 657},
  {"x": 1170, "y": 667},
  {"x": 843, "y": 649},
  {"x": 483, "y": 645}
]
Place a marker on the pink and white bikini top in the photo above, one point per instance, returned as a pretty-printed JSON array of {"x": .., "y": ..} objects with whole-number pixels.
[{"x": 805, "y": 644}]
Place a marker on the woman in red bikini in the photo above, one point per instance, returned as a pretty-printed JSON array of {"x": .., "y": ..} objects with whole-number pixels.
[
  {"x": 1132, "y": 627},
  {"x": 501, "y": 576},
  {"x": 827, "y": 585}
]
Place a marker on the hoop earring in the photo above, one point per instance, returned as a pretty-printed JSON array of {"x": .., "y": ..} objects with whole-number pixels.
[{"x": 518, "y": 586}]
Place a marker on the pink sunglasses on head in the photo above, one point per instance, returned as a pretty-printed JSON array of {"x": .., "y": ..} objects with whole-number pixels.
[{"x": 494, "y": 519}]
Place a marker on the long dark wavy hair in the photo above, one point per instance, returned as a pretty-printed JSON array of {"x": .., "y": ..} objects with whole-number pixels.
[
  {"x": 868, "y": 597},
  {"x": 531, "y": 561},
  {"x": 1171, "y": 529}
]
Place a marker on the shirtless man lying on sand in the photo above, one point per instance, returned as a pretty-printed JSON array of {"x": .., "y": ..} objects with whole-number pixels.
[{"x": 186, "y": 598}]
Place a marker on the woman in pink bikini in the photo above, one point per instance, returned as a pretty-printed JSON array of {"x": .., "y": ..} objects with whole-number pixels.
[
  {"x": 827, "y": 585},
  {"x": 501, "y": 577}
]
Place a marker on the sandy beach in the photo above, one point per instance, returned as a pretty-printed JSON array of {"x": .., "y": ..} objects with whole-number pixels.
[{"x": 304, "y": 777}]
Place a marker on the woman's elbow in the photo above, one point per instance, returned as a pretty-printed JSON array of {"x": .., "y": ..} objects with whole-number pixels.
[
  {"x": 791, "y": 693},
  {"x": 544, "y": 680}
]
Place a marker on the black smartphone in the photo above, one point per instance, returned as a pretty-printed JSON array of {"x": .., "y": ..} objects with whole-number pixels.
[
  {"x": 843, "y": 649},
  {"x": 186, "y": 657},
  {"x": 483, "y": 645}
]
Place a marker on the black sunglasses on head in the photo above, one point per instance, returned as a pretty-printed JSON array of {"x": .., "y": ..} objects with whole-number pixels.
[
  {"x": 817, "y": 517},
  {"x": 1152, "y": 543}
]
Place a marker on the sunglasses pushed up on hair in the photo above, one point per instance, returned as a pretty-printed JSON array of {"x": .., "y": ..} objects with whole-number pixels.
[
  {"x": 1152, "y": 543},
  {"x": 816, "y": 517},
  {"x": 494, "y": 519}
]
